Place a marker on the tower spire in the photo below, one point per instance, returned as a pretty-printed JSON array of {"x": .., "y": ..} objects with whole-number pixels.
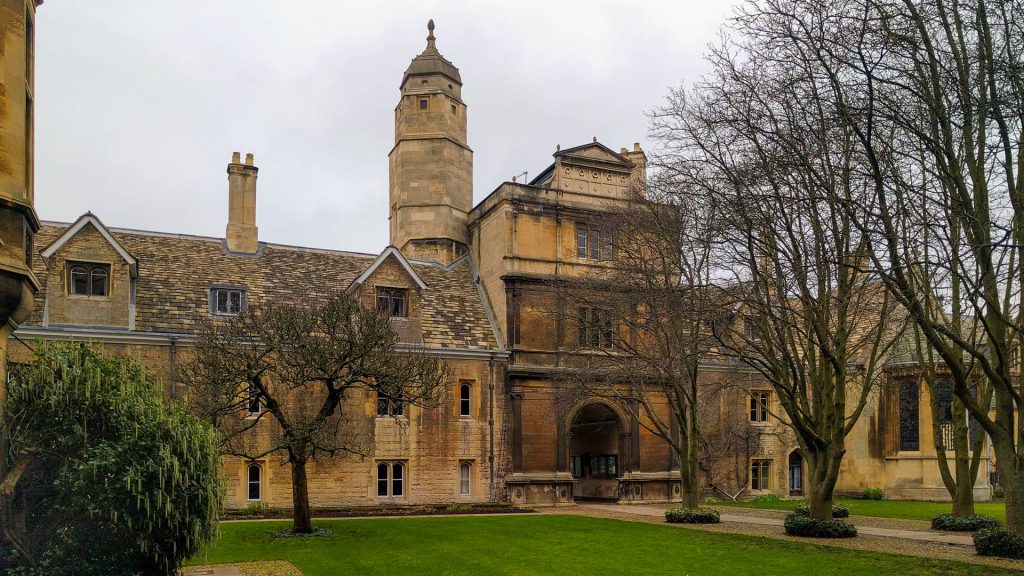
[{"x": 430, "y": 35}]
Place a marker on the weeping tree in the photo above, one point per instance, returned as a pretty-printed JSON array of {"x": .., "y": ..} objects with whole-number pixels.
[
  {"x": 274, "y": 381},
  {"x": 103, "y": 476},
  {"x": 644, "y": 318},
  {"x": 811, "y": 316}
]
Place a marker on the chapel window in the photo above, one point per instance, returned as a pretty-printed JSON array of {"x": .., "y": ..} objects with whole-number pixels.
[{"x": 909, "y": 399}]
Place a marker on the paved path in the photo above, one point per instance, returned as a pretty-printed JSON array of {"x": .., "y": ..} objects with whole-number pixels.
[
  {"x": 212, "y": 571},
  {"x": 936, "y": 537}
]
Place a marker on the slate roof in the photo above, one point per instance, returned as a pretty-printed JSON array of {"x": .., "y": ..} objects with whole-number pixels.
[{"x": 176, "y": 272}]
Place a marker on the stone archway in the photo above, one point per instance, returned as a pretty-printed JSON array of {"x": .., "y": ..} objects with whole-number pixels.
[{"x": 596, "y": 450}]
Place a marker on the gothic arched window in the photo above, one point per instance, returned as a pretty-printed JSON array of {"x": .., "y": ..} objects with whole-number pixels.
[{"x": 909, "y": 422}]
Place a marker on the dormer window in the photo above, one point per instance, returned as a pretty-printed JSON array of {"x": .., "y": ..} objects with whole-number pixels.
[
  {"x": 88, "y": 279},
  {"x": 227, "y": 301},
  {"x": 393, "y": 301}
]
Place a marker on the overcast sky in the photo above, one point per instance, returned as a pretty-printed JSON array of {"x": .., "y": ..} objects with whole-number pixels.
[{"x": 141, "y": 102}]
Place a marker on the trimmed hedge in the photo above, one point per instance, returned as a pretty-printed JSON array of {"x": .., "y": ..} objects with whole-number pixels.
[
  {"x": 801, "y": 525},
  {"x": 680, "y": 515},
  {"x": 998, "y": 541},
  {"x": 838, "y": 510},
  {"x": 971, "y": 523}
]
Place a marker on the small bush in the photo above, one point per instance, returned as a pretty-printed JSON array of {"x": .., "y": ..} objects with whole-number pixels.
[
  {"x": 680, "y": 515},
  {"x": 971, "y": 523},
  {"x": 838, "y": 510},
  {"x": 711, "y": 500},
  {"x": 768, "y": 498},
  {"x": 997, "y": 541},
  {"x": 801, "y": 525},
  {"x": 258, "y": 508},
  {"x": 874, "y": 494}
]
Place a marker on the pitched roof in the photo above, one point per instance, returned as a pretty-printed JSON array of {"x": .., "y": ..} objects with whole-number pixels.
[
  {"x": 176, "y": 272},
  {"x": 84, "y": 220},
  {"x": 389, "y": 252}
]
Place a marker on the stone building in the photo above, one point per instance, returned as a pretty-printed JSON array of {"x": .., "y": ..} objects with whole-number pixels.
[{"x": 472, "y": 284}]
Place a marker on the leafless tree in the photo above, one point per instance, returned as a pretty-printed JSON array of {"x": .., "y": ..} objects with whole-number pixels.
[
  {"x": 642, "y": 319},
  {"x": 274, "y": 381},
  {"x": 728, "y": 441},
  {"x": 811, "y": 317}
]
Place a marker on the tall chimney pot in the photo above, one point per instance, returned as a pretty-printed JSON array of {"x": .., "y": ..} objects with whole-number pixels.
[{"x": 242, "y": 235}]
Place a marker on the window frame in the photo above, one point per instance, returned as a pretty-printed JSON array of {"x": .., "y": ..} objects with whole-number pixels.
[
  {"x": 252, "y": 398},
  {"x": 760, "y": 400},
  {"x": 389, "y": 405},
  {"x": 391, "y": 480},
  {"x": 387, "y": 296},
  {"x": 760, "y": 474},
  {"x": 906, "y": 412},
  {"x": 258, "y": 482},
  {"x": 228, "y": 289},
  {"x": 594, "y": 243},
  {"x": 465, "y": 399},
  {"x": 90, "y": 270},
  {"x": 465, "y": 478},
  {"x": 595, "y": 329}
]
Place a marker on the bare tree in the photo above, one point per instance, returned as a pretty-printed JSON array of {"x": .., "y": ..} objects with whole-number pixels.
[
  {"x": 727, "y": 439},
  {"x": 274, "y": 380},
  {"x": 933, "y": 93},
  {"x": 644, "y": 318},
  {"x": 812, "y": 319}
]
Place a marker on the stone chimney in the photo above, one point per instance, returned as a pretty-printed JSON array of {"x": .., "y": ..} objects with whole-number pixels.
[
  {"x": 241, "y": 233},
  {"x": 639, "y": 160}
]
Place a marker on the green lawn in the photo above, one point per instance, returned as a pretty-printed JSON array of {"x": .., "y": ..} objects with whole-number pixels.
[
  {"x": 912, "y": 510},
  {"x": 549, "y": 545}
]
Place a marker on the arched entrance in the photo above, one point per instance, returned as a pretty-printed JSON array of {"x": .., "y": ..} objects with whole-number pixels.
[
  {"x": 796, "y": 473},
  {"x": 594, "y": 449}
]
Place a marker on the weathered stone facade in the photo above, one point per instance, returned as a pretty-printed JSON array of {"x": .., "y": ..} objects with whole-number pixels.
[{"x": 480, "y": 288}]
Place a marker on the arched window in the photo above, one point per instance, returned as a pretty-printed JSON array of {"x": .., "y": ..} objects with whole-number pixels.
[
  {"x": 382, "y": 479},
  {"x": 98, "y": 282},
  {"x": 909, "y": 423},
  {"x": 397, "y": 480},
  {"x": 465, "y": 472},
  {"x": 796, "y": 474},
  {"x": 390, "y": 479},
  {"x": 79, "y": 280},
  {"x": 255, "y": 481},
  {"x": 464, "y": 395}
]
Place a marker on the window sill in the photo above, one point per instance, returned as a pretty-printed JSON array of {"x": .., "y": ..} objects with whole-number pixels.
[{"x": 89, "y": 297}]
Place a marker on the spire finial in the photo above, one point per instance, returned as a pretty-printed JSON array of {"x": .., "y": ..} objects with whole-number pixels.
[{"x": 430, "y": 33}]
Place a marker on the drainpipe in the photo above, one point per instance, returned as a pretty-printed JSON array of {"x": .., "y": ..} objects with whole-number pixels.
[
  {"x": 490, "y": 426},
  {"x": 174, "y": 366}
]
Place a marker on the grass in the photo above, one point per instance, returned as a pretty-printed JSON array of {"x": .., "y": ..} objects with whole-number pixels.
[
  {"x": 525, "y": 545},
  {"x": 909, "y": 509}
]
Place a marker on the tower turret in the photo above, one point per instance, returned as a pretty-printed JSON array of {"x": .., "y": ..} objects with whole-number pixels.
[{"x": 431, "y": 166}]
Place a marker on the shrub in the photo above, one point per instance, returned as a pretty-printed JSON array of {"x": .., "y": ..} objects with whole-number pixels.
[
  {"x": 801, "y": 525},
  {"x": 768, "y": 498},
  {"x": 874, "y": 494},
  {"x": 711, "y": 500},
  {"x": 680, "y": 515},
  {"x": 258, "y": 508},
  {"x": 971, "y": 523},
  {"x": 997, "y": 541},
  {"x": 838, "y": 510},
  {"x": 122, "y": 482}
]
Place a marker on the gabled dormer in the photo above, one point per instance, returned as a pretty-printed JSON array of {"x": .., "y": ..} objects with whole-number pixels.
[
  {"x": 90, "y": 278},
  {"x": 391, "y": 285}
]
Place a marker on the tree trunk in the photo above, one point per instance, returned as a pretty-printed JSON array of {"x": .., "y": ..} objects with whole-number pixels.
[
  {"x": 689, "y": 462},
  {"x": 963, "y": 497},
  {"x": 823, "y": 469},
  {"x": 1011, "y": 477},
  {"x": 302, "y": 521}
]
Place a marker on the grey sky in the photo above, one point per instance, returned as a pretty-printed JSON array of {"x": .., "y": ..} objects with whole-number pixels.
[{"x": 141, "y": 102}]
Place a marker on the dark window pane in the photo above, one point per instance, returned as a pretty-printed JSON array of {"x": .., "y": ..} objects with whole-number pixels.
[
  {"x": 397, "y": 478},
  {"x": 944, "y": 396},
  {"x": 581, "y": 242},
  {"x": 606, "y": 246},
  {"x": 582, "y": 327},
  {"x": 98, "y": 282},
  {"x": 254, "y": 482},
  {"x": 464, "y": 406},
  {"x": 382, "y": 405},
  {"x": 595, "y": 244},
  {"x": 909, "y": 427},
  {"x": 253, "y": 399},
  {"x": 222, "y": 301},
  {"x": 382, "y": 479},
  {"x": 234, "y": 301},
  {"x": 79, "y": 280},
  {"x": 397, "y": 303}
]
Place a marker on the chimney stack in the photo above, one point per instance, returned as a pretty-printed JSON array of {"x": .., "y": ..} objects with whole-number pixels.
[{"x": 241, "y": 234}]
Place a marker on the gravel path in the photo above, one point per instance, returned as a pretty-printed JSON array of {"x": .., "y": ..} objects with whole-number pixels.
[{"x": 741, "y": 523}]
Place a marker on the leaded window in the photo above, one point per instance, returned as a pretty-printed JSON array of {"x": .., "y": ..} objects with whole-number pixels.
[
  {"x": 759, "y": 406},
  {"x": 227, "y": 301},
  {"x": 909, "y": 400}
]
